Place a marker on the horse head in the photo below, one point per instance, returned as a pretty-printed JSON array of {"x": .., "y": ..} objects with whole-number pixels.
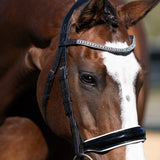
[{"x": 104, "y": 86}]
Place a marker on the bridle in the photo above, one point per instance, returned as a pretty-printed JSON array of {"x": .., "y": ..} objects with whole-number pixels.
[{"x": 103, "y": 143}]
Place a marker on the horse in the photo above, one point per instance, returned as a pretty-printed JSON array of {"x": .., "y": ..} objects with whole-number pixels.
[
  {"x": 105, "y": 88},
  {"x": 16, "y": 144}
]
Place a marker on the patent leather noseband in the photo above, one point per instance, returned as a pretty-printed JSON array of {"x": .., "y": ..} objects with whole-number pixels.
[{"x": 103, "y": 143}]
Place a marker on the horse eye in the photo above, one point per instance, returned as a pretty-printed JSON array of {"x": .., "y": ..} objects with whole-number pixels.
[{"x": 88, "y": 79}]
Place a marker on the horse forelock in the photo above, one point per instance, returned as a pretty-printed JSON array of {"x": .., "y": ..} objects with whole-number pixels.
[
  {"x": 95, "y": 13},
  {"x": 110, "y": 15}
]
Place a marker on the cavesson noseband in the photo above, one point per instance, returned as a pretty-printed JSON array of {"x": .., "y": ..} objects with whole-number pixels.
[{"x": 103, "y": 143}]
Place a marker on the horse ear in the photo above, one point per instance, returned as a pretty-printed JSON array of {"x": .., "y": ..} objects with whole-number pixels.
[
  {"x": 132, "y": 12},
  {"x": 33, "y": 58}
]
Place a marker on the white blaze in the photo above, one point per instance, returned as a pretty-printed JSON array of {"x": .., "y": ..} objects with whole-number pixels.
[{"x": 124, "y": 70}]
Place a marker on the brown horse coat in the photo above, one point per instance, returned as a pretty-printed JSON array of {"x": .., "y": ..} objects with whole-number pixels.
[
  {"x": 28, "y": 26},
  {"x": 18, "y": 138}
]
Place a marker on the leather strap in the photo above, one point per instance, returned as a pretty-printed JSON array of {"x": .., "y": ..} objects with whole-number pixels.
[
  {"x": 116, "y": 51},
  {"x": 77, "y": 138},
  {"x": 53, "y": 71}
]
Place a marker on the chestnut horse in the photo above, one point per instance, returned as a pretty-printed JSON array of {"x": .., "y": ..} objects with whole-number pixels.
[
  {"x": 13, "y": 140},
  {"x": 106, "y": 89}
]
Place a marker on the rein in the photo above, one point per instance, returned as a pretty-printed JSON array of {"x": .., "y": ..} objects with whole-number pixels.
[{"x": 103, "y": 143}]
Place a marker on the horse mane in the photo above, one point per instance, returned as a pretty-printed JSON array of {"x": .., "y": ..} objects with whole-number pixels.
[{"x": 95, "y": 13}]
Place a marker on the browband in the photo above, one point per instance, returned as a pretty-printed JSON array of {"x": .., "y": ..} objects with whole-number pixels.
[{"x": 117, "y": 51}]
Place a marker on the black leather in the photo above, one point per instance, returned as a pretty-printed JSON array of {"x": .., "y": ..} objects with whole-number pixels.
[
  {"x": 110, "y": 141},
  {"x": 77, "y": 138}
]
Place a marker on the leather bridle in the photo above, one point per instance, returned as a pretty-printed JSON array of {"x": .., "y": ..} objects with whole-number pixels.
[{"x": 103, "y": 143}]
